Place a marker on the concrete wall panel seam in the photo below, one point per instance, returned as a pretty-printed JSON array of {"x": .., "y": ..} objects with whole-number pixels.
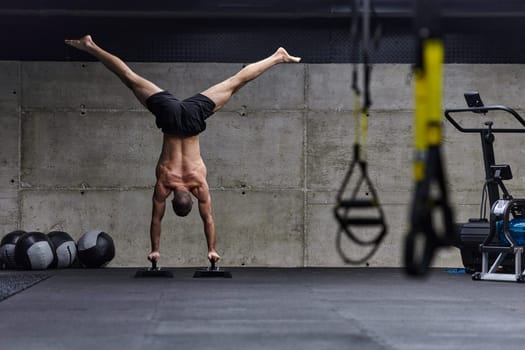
[
  {"x": 29, "y": 187},
  {"x": 305, "y": 167},
  {"x": 19, "y": 115},
  {"x": 85, "y": 109}
]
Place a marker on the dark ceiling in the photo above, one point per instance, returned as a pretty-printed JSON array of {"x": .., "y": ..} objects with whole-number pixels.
[{"x": 475, "y": 31}]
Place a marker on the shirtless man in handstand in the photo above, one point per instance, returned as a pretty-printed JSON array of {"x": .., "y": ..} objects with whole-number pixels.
[{"x": 180, "y": 168}]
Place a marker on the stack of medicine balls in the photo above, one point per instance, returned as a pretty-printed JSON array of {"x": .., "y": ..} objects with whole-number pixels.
[{"x": 23, "y": 250}]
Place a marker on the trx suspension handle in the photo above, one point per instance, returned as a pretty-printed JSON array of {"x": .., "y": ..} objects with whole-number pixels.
[
  {"x": 354, "y": 214},
  {"x": 430, "y": 202}
]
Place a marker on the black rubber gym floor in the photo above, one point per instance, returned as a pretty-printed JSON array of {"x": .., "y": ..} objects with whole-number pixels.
[{"x": 263, "y": 309}]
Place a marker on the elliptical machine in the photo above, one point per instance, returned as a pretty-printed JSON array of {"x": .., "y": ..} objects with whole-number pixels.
[{"x": 483, "y": 251}]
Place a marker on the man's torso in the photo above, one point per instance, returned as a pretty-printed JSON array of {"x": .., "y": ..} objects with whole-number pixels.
[{"x": 180, "y": 164}]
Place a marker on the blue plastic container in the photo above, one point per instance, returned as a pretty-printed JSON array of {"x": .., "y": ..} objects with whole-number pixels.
[{"x": 516, "y": 230}]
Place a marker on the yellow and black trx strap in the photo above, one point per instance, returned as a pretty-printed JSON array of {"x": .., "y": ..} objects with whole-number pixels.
[
  {"x": 351, "y": 211},
  {"x": 431, "y": 222}
]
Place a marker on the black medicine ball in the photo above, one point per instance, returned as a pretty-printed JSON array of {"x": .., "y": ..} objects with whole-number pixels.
[
  {"x": 34, "y": 251},
  {"x": 95, "y": 249},
  {"x": 7, "y": 248},
  {"x": 65, "y": 249}
]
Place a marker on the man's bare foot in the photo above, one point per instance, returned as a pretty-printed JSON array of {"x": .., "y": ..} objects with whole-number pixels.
[
  {"x": 83, "y": 43},
  {"x": 286, "y": 57}
]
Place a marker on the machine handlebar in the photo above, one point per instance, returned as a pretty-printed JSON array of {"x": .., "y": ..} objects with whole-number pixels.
[{"x": 485, "y": 109}]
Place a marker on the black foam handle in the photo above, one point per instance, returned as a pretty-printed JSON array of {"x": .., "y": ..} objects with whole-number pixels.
[
  {"x": 358, "y": 203},
  {"x": 212, "y": 264},
  {"x": 153, "y": 264},
  {"x": 364, "y": 221}
]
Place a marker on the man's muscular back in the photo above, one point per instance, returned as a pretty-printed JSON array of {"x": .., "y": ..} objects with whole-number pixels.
[{"x": 180, "y": 164}]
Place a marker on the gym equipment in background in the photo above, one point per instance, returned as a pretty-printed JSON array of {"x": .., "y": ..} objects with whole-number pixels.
[
  {"x": 431, "y": 223},
  {"x": 358, "y": 208},
  {"x": 7, "y": 248},
  {"x": 212, "y": 271},
  {"x": 34, "y": 251},
  {"x": 65, "y": 249},
  {"x": 154, "y": 271},
  {"x": 489, "y": 245},
  {"x": 95, "y": 249}
]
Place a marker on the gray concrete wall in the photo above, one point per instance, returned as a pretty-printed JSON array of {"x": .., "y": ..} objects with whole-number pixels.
[{"x": 78, "y": 153}]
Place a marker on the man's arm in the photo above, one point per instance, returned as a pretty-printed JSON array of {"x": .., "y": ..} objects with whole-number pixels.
[
  {"x": 207, "y": 220},
  {"x": 159, "y": 206}
]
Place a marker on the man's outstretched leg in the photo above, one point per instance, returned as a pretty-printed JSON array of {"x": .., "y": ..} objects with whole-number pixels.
[
  {"x": 141, "y": 87},
  {"x": 222, "y": 92}
]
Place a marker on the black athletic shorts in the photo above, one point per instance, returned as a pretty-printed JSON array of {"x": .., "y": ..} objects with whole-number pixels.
[{"x": 181, "y": 118}]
